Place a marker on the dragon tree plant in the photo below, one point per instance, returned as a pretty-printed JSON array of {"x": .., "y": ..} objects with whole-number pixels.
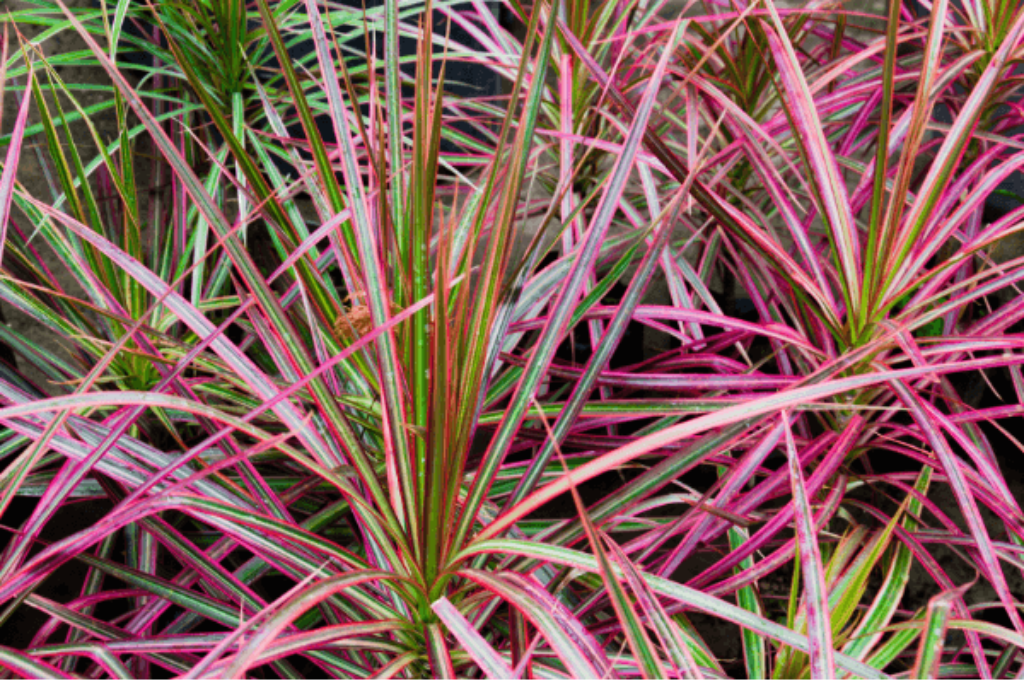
[{"x": 305, "y": 340}]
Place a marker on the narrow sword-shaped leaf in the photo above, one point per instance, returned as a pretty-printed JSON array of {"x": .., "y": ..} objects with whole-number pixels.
[
  {"x": 260, "y": 289},
  {"x": 565, "y": 303},
  {"x": 965, "y": 499},
  {"x": 828, "y": 186},
  {"x": 819, "y": 628},
  {"x": 933, "y": 634},
  {"x": 29, "y": 667},
  {"x": 577, "y": 650},
  {"x": 741, "y": 413},
  {"x": 670, "y": 589},
  {"x": 10, "y": 171},
  {"x": 479, "y": 649}
]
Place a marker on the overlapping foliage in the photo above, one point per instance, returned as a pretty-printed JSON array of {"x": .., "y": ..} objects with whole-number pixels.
[{"x": 337, "y": 354}]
